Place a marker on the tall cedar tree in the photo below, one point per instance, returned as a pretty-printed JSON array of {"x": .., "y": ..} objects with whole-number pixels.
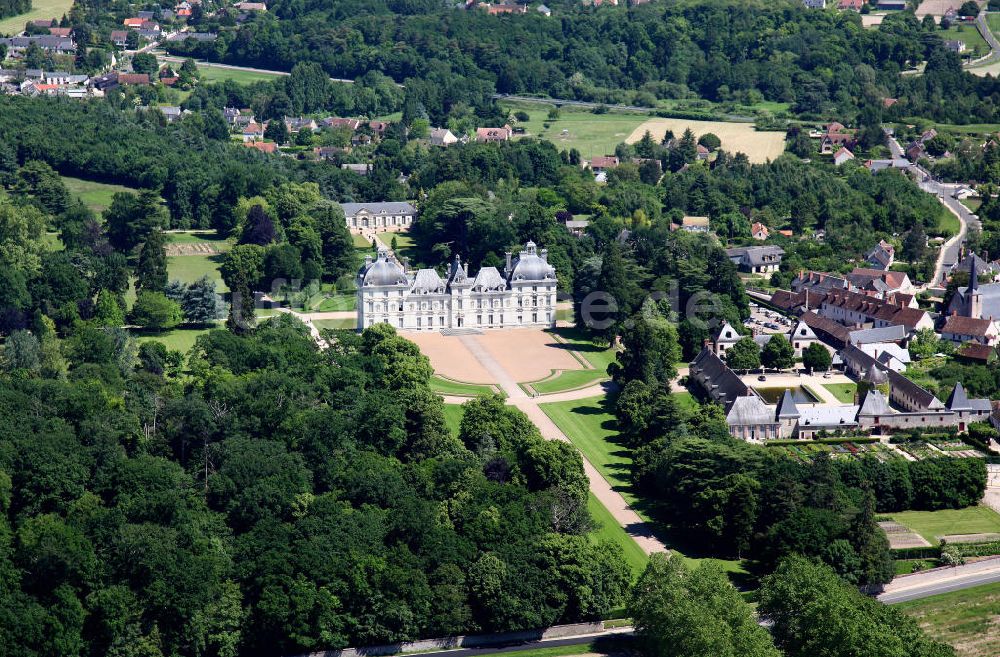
[{"x": 151, "y": 269}]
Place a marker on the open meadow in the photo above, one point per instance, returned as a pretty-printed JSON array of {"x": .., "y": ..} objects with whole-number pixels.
[
  {"x": 39, "y": 9},
  {"x": 968, "y": 620},
  {"x": 214, "y": 73},
  {"x": 759, "y": 146},
  {"x": 591, "y": 134},
  {"x": 96, "y": 196},
  {"x": 932, "y": 525}
]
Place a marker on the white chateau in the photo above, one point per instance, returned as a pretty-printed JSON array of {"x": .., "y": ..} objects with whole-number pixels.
[{"x": 523, "y": 295}]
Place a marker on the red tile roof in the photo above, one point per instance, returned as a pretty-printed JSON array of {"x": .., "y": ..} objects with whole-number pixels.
[{"x": 959, "y": 325}]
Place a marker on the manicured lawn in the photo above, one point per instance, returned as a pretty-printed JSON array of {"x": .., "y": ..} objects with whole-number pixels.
[
  {"x": 52, "y": 242},
  {"x": 844, "y": 392},
  {"x": 568, "y": 380},
  {"x": 599, "y": 356},
  {"x": 190, "y": 268},
  {"x": 96, "y": 196},
  {"x": 966, "y": 619},
  {"x": 211, "y": 74},
  {"x": 444, "y": 386},
  {"x": 39, "y": 9},
  {"x": 590, "y": 425},
  {"x": 609, "y": 530},
  {"x": 948, "y": 223},
  {"x": 361, "y": 242},
  {"x": 207, "y": 237},
  {"x": 932, "y": 524},
  {"x": 180, "y": 339},
  {"x": 975, "y": 45},
  {"x": 337, "y": 302},
  {"x": 347, "y": 323},
  {"x": 612, "y": 645},
  {"x": 453, "y": 417},
  {"x": 591, "y": 134}
]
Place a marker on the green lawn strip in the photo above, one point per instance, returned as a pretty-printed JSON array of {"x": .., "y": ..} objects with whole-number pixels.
[
  {"x": 453, "y": 417},
  {"x": 566, "y": 380},
  {"x": 973, "y": 204},
  {"x": 178, "y": 339},
  {"x": 39, "y": 9},
  {"x": 96, "y": 196},
  {"x": 932, "y": 524},
  {"x": 948, "y": 224},
  {"x": 346, "y": 323},
  {"x": 443, "y": 386},
  {"x": 211, "y": 74},
  {"x": 962, "y": 618},
  {"x": 209, "y": 237},
  {"x": 591, "y": 134},
  {"x": 339, "y": 302},
  {"x": 844, "y": 392},
  {"x": 598, "y": 356},
  {"x": 601, "y": 646},
  {"x": 361, "y": 242},
  {"x": 190, "y": 268},
  {"x": 993, "y": 22},
  {"x": 609, "y": 530},
  {"x": 905, "y": 566},
  {"x": 590, "y": 425},
  {"x": 975, "y": 45}
]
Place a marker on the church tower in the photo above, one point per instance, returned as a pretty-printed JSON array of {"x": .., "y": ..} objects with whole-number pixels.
[{"x": 973, "y": 297}]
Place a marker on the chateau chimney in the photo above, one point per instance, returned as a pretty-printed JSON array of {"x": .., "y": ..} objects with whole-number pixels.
[
  {"x": 544, "y": 253},
  {"x": 507, "y": 268},
  {"x": 368, "y": 260}
]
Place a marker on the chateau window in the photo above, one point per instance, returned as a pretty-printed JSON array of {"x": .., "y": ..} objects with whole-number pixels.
[
  {"x": 534, "y": 318},
  {"x": 420, "y": 322}
]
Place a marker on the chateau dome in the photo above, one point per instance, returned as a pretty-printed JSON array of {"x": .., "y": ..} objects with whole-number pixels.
[
  {"x": 382, "y": 272},
  {"x": 530, "y": 266}
]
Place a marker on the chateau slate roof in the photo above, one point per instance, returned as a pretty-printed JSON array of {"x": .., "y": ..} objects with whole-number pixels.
[
  {"x": 723, "y": 384},
  {"x": 834, "y": 417},
  {"x": 875, "y": 403},
  {"x": 381, "y": 208},
  {"x": 787, "y": 407},
  {"x": 428, "y": 281},
  {"x": 923, "y": 398},
  {"x": 749, "y": 410},
  {"x": 489, "y": 278}
]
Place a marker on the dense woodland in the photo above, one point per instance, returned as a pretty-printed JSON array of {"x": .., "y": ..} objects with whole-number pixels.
[
  {"x": 14, "y": 7},
  {"x": 450, "y": 61}
]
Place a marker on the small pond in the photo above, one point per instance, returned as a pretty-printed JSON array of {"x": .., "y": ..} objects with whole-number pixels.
[{"x": 799, "y": 394}]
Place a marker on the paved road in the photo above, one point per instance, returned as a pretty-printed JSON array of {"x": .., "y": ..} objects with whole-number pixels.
[
  {"x": 527, "y": 645},
  {"x": 925, "y": 585}
]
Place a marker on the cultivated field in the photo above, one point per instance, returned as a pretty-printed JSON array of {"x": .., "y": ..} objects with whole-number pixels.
[
  {"x": 932, "y": 525},
  {"x": 936, "y": 8},
  {"x": 969, "y": 620},
  {"x": 735, "y": 137},
  {"x": 39, "y": 9}
]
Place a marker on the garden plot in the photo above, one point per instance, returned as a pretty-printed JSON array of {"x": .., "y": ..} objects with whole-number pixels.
[
  {"x": 806, "y": 451},
  {"x": 902, "y": 537}
]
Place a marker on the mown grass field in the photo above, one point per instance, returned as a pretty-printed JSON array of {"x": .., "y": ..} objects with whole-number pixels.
[
  {"x": 948, "y": 223},
  {"x": 844, "y": 392},
  {"x": 608, "y": 529},
  {"x": 599, "y": 356},
  {"x": 568, "y": 380},
  {"x": 346, "y": 323},
  {"x": 975, "y": 45},
  {"x": 190, "y": 268},
  {"x": 39, "y": 9},
  {"x": 96, "y": 196},
  {"x": 210, "y": 238},
  {"x": 453, "y": 417},
  {"x": 180, "y": 339},
  {"x": 967, "y": 619},
  {"x": 932, "y": 524},
  {"x": 591, "y": 134},
  {"x": 210, "y": 74},
  {"x": 337, "y": 302},
  {"x": 444, "y": 386},
  {"x": 590, "y": 425}
]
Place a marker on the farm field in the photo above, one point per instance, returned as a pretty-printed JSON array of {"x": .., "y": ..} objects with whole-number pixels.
[
  {"x": 966, "y": 619},
  {"x": 735, "y": 137},
  {"x": 591, "y": 134},
  {"x": 933, "y": 524},
  {"x": 39, "y": 9},
  {"x": 96, "y": 196}
]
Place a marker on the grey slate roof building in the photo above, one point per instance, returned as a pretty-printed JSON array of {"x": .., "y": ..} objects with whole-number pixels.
[
  {"x": 715, "y": 377},
  {"x": 384, "y": 214},
  {"x": 756, "y": 259}
]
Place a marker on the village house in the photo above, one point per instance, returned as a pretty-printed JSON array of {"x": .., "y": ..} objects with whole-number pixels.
[
  {"x": 756, "y": 259},
  {"x": 337, "y": 122},
  {"x": 835, "y": 138},
  {"x": 251, "y": 6},
  {"x": 297, "y": 124},
  {"x": 119, "y": 38},
  {"x": 959, "y": 329},
  {"x": 879, "y": 281},
  {"x": 543, "y": 10},
  {"x": 759, "y": 231},
  {"x": 51, "y": 44},
  {"x": 494, "y": 135},
  {"x": 253, "y": 131},
  {"x": 881, "y": 256},
  {"x": 841, "y": 156},
  {"x": 695, "y": 224},
  {"x": 602, "y": 163},
  {"x": 442, "y": 137},
  {"x": 133, "y": 23},
  {"x": 360, "y": 169},
  {"x": 328, "y": 152}
]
